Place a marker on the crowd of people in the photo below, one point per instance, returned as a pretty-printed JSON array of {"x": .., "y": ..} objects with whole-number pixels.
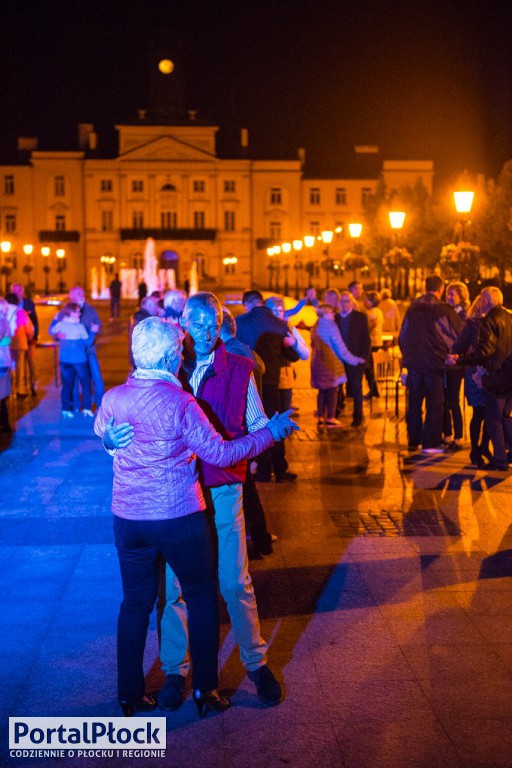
[{"x": 210, "y": 393}]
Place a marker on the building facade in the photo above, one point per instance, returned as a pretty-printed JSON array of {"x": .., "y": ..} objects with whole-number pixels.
[{"x": 168, "y": 183}]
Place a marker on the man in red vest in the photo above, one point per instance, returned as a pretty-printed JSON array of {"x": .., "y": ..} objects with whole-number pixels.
[{"x": 225, "y": 389}]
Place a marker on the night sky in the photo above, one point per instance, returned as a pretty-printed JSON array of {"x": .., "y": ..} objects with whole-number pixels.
[{"x": 422, "y": 80}]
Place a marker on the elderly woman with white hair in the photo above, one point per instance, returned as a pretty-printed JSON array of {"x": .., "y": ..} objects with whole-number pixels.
[{"x": 158, "y": 507}]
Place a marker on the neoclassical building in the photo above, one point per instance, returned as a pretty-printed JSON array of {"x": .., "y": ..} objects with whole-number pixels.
[{"x": 96, "y": 208}]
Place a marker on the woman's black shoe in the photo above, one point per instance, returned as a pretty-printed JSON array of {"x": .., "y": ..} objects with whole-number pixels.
[
  {"x": 206, "y": 700},
  {"x": 146, "y": 704},
  {"x": 477, "y": 460}
]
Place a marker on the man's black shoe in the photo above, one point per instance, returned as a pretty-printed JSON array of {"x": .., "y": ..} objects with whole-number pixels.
[
  {"x": 261, "y": 478},
  {"x": 171, "y": 695},
  {"x": 264, "y": 547},
  {"x": 356, "y": 423},
  {"x": 268, "y": 689},
  {"x": 286, "y": 477},
  {"x": 494, "y": 467}
]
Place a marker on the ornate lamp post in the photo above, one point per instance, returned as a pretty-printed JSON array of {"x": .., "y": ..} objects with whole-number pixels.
[
  {"x": 28, "y": 266},
  {"x": 297, "y": 246},
  {"x": 463, "y": 203},
  {"x": 270, "y": 266},
  {"x": 468, "y": 256},
  {"x": 5, "y": 248},
  {"x": 45, "y": 253},
  {"x": 286, "y": 248},
  {"x": 61, "y": 266},
  {"x": 309, "y": 241},
  {"x": 327, "y": 236},
  {"x": 396, "y": 222}
]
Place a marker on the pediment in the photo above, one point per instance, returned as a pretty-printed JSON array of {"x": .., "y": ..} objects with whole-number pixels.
[{"x": 168, "y": 148}]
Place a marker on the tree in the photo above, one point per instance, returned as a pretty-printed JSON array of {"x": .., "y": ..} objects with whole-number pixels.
[{"x": 494, "y": 226}]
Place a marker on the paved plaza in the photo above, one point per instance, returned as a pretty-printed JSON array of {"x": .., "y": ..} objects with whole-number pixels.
[{"x": 387, "y": 602}]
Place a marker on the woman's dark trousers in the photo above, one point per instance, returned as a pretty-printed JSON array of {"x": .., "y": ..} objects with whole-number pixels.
[{"x": 187, "y": 545}]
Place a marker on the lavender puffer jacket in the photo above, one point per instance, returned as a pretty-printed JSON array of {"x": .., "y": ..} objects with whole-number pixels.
[{"x": 155, "y": 478}]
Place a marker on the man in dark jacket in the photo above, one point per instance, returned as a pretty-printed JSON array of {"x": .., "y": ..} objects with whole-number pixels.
[
  {"x": 271, "y": 339},
  {"x": 353, "y": 327},
  {"x": 429, "y": 328},
  {"x": 255, "y": 520},
  {"x": 493, "y": 351}
]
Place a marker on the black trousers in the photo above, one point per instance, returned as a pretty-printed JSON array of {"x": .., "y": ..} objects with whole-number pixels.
[
  {"x": 355, "y": 384},
  {"x": 499, "y": 424},
  {"x": 187, "y": 545},
  {"x": 428, "y": 386},
  {"x": 274, "y": 459},
  {"x": 452, "y": 409},
  {"x": 255, "y": 521}
]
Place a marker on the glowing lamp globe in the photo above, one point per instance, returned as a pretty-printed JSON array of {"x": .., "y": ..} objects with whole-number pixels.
[
  {"x": 166, "y": 66},
  {"x": 463, "y": 201},
  {"x": 396, "y": 219}
]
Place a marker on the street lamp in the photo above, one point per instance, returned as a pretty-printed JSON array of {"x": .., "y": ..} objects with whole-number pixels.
[
  {"x": 355, "y": 230},
  {"x": 45, "y": 252},
  {"x": 309, "y": 241},
  {"x": 396, "y": 222},
  {"x": 463, "y": 204},
  {"x": 270, "y": 254},
  {"x": 327, "y": 236},
  {"x": 286, "y": 248},
  {"x": 5, "y": 248},
  {"x": 297, "y": 246},
  {"x": 27, "y": 268},
  {"x": 61, "y": 266}
]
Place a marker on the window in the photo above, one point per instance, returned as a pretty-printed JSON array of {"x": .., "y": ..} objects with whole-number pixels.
[
  {"x": 276, "y": 196},
  {"x": 198, "y": 186},
  {"x": 138, "y": 219},
  {"x": 314, "y": 196},
  {"x": 60, "y": 223},
  {"x": 199, "y": 220},
  {"x": 275, "y": 230},
  {"x": 59, "y": 186},
  {"x": 169, "y": 220},
  {"x": 314, "y": 227},
  {"x": 10, "y": 222},
  {"x": 8, "y": 185},
  {"x": 229, "y": 221},
  {"x": 341, "y": 196},
  {"x": 230, "y": 265},
  {"x": 230, "y": 186},
  {"x": 137, "y": 185},
  {"x": 106, "y": 185},
  {"x": 366, "y": 193},
  {"x": 107, "y": 221}
]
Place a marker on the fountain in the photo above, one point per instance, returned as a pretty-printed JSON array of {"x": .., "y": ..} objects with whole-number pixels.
[
  {"x": 155, "y": 279},
  {"x": 94, "y": 283},
  {"x": 193, "y": 286},
  {"x": 150, "y": 270}
]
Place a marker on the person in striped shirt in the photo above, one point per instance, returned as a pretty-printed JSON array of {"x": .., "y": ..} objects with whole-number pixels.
[{"x": 225, "y": 388}]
